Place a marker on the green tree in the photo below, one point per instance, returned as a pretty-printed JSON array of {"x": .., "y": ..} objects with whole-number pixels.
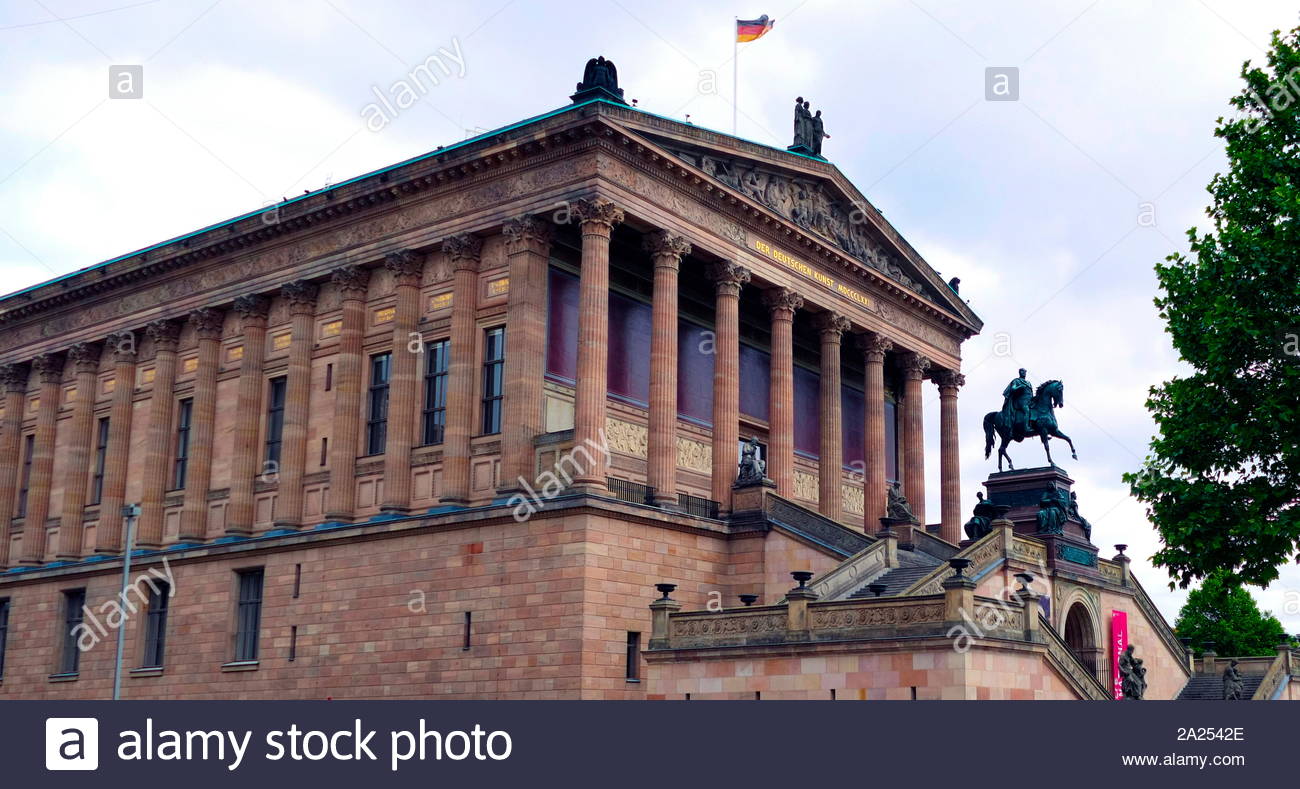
[
  {"x": 1222, "y": 482},
  {"x": 1223, "y": 612}
]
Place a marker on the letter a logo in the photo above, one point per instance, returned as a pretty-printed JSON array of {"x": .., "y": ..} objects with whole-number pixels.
[{"x": 71, "y": 744}]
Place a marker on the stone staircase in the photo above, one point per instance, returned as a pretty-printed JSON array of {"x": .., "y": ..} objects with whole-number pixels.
[
  {"x": 1210, "y": 688},
  {"x": 896, "y": 580}
]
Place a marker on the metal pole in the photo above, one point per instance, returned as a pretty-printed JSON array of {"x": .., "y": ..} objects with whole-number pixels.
[
  {"x": 130, "y": 512},
  {"x": 735, "y": 73}
]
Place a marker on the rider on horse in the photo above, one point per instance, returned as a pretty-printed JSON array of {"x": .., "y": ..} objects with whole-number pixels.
[{"x": 1015, "y": 406}]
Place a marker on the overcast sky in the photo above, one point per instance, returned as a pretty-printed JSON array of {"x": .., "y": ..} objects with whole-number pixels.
[{"x": 1052, "y": 209}]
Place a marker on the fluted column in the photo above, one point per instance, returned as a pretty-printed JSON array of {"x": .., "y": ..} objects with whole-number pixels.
[
  {"x": 244, "y": 465},
  {"x": 49, "y": 371},
  {"x": 300, "y": 295},
  {"x": 914, "y": 367},
  {"x": 13, "y": 378},
  {"x": 352, "y": 282},
  {"x": 85, "y": 362},
  {"x": 728, "y": 278},
  {"x": 198, "y": 475},
  {"x": 949, "y": 381},
  {"x": 598, "y": 218},
  {"x": 667, "y": 251},
  {"x": 874, "y": 347},
  {"x": 407, "y": 268},
  {"x": 528, "y": 244},
  {"x": 165, "y": 334},
  {"x": 117, "y": 460},
  {"x": 463, "y": 252},
  {"x": 780, "y": 440},
  {"x": 830, "y": 489}
]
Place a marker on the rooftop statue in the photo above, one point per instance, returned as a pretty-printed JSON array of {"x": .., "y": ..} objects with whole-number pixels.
[
  {"x": 1026, "y": 413},
  {"x": 809, "y": 129},
  {"x": 599, "y": 81}
]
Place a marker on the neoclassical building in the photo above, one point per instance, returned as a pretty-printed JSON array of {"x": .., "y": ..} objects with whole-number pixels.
[{"x": 437, "y": 431}]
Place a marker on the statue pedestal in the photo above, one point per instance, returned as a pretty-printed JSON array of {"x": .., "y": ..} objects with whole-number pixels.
[
  {"x": 748, "y": 497},
  {"x": 1021, "y": 490},
  {"x": 901, "y": 529}
]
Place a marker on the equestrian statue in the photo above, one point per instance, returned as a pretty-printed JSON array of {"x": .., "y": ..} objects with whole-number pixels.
[{"x": 1026, "y": 413}]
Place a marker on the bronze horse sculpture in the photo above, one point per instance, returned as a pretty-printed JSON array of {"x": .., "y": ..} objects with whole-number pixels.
[{"x": 1042, "y": 423}]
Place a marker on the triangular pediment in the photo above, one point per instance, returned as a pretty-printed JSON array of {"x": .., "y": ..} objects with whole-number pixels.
[{"x": 815, "y": 196}]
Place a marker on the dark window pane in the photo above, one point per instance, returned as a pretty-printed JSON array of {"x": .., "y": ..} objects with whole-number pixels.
[
  {"x": 74, "y": 603},
  {"x": 249, "y": 614}
]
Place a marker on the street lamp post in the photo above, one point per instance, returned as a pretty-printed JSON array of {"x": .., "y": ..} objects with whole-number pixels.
[{"x": 130, "y": 512}]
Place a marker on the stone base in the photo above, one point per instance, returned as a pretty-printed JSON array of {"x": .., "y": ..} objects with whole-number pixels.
[
  {"x": 901, "y": 529},
  {"x": 1021, "y": 490},
  {"x": 749, "y": 497}
]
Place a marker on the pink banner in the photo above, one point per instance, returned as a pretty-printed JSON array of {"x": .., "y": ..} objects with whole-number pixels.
[{"x": 1118, "y": 643}]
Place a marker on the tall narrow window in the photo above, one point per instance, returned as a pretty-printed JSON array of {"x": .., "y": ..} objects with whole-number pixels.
[
  {"x": 74, "y": 601},
  {"x": 155, "y": 631},
  {"x": 248, "y": 616},
  {"x": 29, "y": 447},
  {"x": 377, "y": 413},
  {"x": 494, "y": 356},
  {"x": 275, "y": 419},
  {"x": 435, "y": 390},
  {"x": 101, "y": 457},
  {"x": 4, "y": 633},
  {"x": 184, "y": 416},
  {"x": 633, "y": 657},
  {"x": 469, "y": 625}
]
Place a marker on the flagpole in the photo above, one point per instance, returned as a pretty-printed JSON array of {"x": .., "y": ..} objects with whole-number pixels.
[{"x": 735, "y": 72}]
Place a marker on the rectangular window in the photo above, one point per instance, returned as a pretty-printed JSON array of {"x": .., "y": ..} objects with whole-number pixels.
[
  {"x": 74, "y": 601},
  {"x": 275, "y": 419},
  {"x": 469, "y": 624},
  {"x": 155, "y": 626},
  {"x": 248, "y": 621},
  {"x": 494, "y": 356},
  {"x": 633, "y": 657},
  {"x": 101, "y": 457},
  {"x": 29, "y": 447},
  {"x": 436, "y": 357},
  {"x": 4, "y": 634},
  {"x": 184, "y": 417},
  {"x": 377, "y": 413}
]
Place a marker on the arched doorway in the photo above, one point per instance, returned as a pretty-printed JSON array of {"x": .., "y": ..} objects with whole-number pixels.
[{"x": 1081, "y": 637}]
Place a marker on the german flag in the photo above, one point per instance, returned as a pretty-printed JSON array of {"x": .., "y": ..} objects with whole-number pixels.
[{"x": 753, "y": 29}]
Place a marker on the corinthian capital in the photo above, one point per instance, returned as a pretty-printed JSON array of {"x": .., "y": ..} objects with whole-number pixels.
[
  {"x": 597, "y": 215},
  {"x": 463, "y": 251},
  {"x": 666, "y": 247},
  {"x": 914, "y": 365},
  {"x": 407, "y": 267},
  {"x": 300, "y": 296},
  {"x": 948, "y": 380},
  {"x": 122, "y": 345},
  {"x": 49, "y": 368},
  {"x": 207, "y": 323},
  {"x": 352, "y": 281},
  {"x": 165, "y": 334},
  {"x": 782, "y": 302},
  {"x": 874, "y": 346},
  {"x": 526, "y": 232},
  {"x": 13, "y": 377},
  {"x": 84, "y": 357},
  {"x": 832, "y": 325},
  {"x": 252, "y": 308},
  {"x": 728, "y": 277}
]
